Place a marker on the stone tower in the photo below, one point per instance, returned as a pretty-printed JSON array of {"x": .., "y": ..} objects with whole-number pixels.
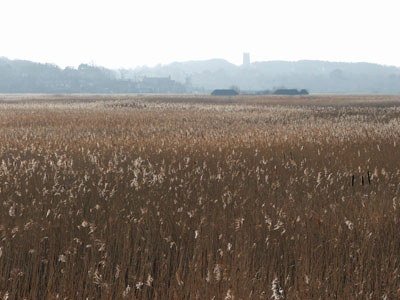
[{"x": 246, "y": 59}]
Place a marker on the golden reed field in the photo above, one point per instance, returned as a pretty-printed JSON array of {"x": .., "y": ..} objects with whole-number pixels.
[{"x": 194, "y": 197}]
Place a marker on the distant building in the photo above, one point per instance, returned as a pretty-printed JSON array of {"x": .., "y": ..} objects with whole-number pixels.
[
  {"x": 290, "y": 92},
  {"x": 227, "y": 92},
  {"x": 246, "y": 59}
]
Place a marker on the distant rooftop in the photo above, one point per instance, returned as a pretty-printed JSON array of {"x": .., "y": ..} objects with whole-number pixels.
[{"x": 224, "y": 92}]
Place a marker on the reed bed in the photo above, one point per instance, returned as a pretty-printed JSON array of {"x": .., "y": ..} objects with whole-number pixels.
[{"x": 188, "y": 197}]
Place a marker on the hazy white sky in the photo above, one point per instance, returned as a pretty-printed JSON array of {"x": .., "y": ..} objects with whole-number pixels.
[{"x": 122, "y": 33}]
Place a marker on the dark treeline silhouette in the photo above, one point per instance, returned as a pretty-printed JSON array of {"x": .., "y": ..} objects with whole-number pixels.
[{"x": 20, "y": 76}]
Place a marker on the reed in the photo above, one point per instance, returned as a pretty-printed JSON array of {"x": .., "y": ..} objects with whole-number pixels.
[{"x": 187, "y": 197}]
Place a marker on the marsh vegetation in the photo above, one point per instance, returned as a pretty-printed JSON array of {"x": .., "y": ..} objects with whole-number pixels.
[{"x": 184, "y": 197}]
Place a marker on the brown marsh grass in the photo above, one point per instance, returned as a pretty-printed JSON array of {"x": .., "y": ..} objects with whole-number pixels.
[{"x": 192, "y": 197}]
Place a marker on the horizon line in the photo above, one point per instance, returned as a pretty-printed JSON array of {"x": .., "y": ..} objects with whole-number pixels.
[{"x": 92, "y": 63}]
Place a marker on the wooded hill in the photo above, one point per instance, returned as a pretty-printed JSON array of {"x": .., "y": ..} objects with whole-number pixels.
[
  {"x": 315, "y": 76},
  {"x": 20, "y": 76}
]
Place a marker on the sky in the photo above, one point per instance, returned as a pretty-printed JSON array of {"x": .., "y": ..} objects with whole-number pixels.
[{"x": 127, "y": 34}]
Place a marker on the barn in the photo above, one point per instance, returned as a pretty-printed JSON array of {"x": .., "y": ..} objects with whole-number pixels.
[{"x": 224, "y": 92}]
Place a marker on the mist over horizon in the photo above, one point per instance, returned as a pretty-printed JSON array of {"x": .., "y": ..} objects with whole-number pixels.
[
  {"x": 22, "y": 76},
  {"x": 172, "y": 62},
  {"x": 182, "y": 46}
]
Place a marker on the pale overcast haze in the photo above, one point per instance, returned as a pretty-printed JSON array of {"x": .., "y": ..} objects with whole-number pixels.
[{"x": 133, "y": 33}]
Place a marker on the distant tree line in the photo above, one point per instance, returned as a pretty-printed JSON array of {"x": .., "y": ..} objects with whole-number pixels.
[
  {"x": 315, "y": 76},
  {"x": 18, "y": 76}
]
